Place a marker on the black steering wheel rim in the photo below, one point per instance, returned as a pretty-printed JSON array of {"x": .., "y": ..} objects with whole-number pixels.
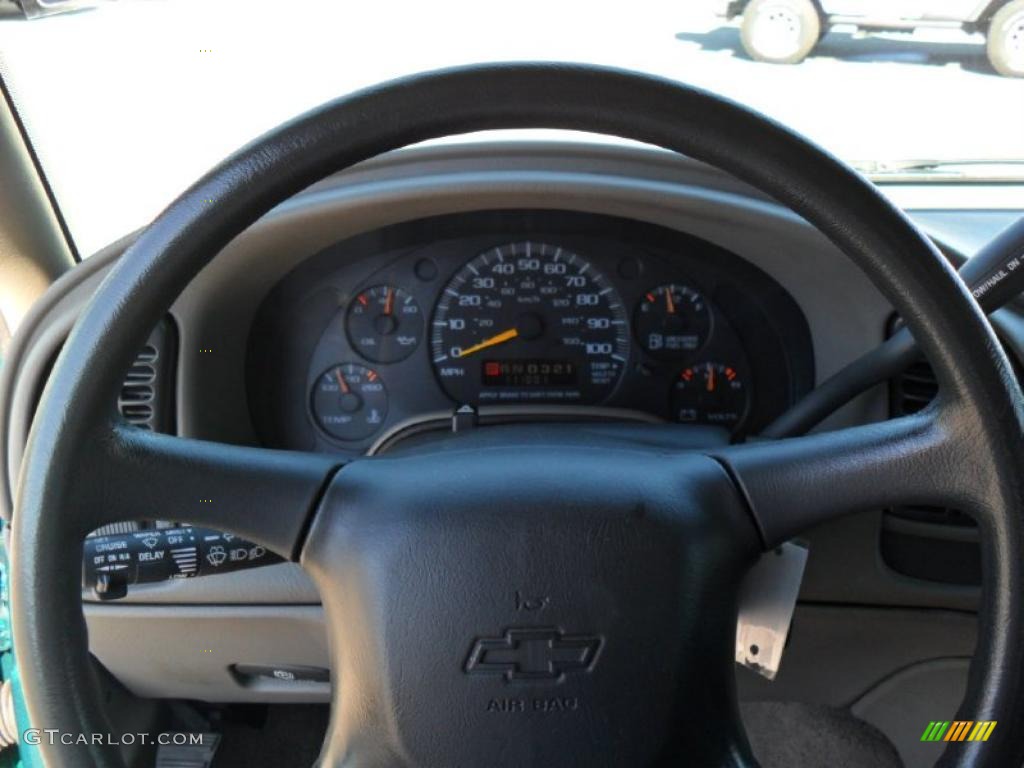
[{"x": 980, "y": 404}]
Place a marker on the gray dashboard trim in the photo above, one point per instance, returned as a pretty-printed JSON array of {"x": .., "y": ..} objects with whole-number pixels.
[
  {"x": 846, "y": 313},
  {"x": 218, "y": 307},
  {"x": 187, "y": 652},
  {"x": 185, "y": 634}
]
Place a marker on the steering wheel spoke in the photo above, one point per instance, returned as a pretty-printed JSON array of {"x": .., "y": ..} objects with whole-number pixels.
[
  {"x": 263, "y": 495},
  {"x": 794, "y": 484}
]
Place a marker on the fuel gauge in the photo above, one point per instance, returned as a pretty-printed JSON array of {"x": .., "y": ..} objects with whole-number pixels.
[
  {"x": 672, "y": 321},
  {"x": 710, "y": 393}
]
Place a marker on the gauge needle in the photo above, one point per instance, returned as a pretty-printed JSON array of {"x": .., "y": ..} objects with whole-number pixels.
[
  {"x": 671, "y": 304},
  {"x": 501, "y": 338},
  {"x": 711, "y": 379},
  {"x": 341, "y": 381},
  {"x": 389, "y": 302}
]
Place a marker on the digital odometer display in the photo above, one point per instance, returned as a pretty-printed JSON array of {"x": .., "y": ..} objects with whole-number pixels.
[
  {"x": 529, "y": 322},
  {"x": 529, "y": 373}
]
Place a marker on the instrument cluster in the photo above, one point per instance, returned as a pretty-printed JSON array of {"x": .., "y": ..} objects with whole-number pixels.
[{"x": 528, "y": 311}]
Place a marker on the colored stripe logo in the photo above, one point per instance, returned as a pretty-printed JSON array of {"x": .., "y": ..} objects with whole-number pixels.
[{"x": 958, "y": 730}]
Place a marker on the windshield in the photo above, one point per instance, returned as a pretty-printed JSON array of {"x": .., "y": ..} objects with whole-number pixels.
[{"x": 128, "y": 102}]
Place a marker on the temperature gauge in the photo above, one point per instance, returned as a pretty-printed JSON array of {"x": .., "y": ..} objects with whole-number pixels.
[
  {"x": 384, "y": 324},
  {"x": 349, "y": 401},
  {"x": 710, "y": 393},
  {"x": 672, "y": 321}
]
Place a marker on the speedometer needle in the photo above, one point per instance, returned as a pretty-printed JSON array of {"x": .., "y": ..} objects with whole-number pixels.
[{"x": 501, "y": 338}]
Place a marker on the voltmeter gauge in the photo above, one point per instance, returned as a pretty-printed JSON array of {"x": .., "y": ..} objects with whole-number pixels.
[
  {"x": 349, "y": 401},
  {"x": 710, "y": 393},
  {"x": 672, "y": 321},
  {"x": 384, "y": 324}
]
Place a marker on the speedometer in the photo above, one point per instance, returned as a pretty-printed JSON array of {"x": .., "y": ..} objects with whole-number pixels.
[{"x": 529, "y": 322}]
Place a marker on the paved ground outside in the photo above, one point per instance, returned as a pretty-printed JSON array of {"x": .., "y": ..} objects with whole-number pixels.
[{"x": 130, "y": 102}]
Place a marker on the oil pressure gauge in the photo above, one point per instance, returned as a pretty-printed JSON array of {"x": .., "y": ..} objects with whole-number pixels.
[
  {"x": 384, "y": 324},
  {"x": 349, "y": 401}
]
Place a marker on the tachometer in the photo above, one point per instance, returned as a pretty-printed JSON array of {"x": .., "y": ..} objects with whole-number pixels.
[{"x": 529, "y": 322}]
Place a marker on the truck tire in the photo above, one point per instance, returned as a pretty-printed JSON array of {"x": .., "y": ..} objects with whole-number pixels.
[
  {"x": 780, "y": 31},
  {"x": 1005, "y": 42}
]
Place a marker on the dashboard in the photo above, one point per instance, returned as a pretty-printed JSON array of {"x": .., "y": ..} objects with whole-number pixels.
[
  {"x": 521, "y": 315},
  {"x": 615, "y": 284}
]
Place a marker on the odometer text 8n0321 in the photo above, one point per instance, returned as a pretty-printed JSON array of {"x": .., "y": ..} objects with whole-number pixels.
[{"x": 529, "y": 322}]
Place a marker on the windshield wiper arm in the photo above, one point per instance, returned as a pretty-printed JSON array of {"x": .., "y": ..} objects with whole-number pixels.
[{"x": 963, "y": 169}]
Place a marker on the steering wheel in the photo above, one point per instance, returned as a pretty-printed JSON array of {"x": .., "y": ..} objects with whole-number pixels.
[{"x": 637, "y": 552}]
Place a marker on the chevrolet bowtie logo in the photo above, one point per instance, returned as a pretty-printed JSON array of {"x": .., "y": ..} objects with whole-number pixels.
[{"x": 532, "y": 654}]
